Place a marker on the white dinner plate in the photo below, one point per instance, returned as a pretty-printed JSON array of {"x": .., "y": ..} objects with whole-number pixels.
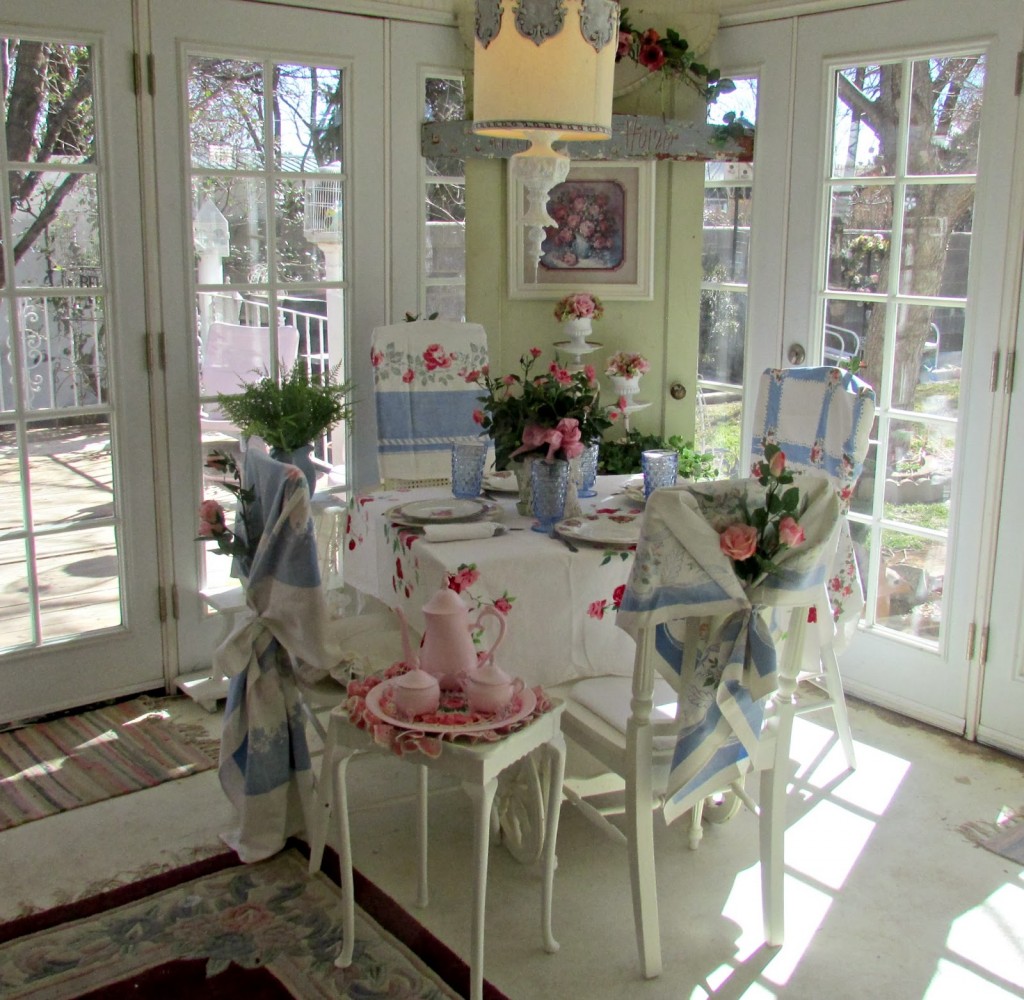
[
  {"x": 501, "y": 482},
  {"x": 618, "y": 530},
  {"x": 378, "y": 701},
  {"x": 634, "y": 488},
  {"x": 443, "y": 510}
]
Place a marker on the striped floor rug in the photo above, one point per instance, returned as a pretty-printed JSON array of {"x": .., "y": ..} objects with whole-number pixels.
[{"x": 76, "y": 760}]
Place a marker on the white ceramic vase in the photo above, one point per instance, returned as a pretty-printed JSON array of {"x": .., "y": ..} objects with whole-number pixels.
[
  {"x": 625, "y": 385},
  {"x": 578, "y": 330}
]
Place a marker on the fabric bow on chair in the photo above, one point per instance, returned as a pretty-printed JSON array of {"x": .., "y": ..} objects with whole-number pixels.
[
  {"x": 265, "y": 767},
  {"x": 707, "y": 641},
  {"x": 681, "y": 574}
]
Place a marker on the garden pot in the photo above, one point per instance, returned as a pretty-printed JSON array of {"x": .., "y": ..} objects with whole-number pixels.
[{"x": 302, "y": 459}]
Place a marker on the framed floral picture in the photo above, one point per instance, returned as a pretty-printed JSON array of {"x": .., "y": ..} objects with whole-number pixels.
[{"x": 603, "y": 235}]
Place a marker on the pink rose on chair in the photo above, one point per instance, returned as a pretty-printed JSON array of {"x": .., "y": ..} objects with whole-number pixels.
[
  {"x": 738, "y": 541},
  {"x": 211, "y": 519},
  {"x": 790, "y": 532}
]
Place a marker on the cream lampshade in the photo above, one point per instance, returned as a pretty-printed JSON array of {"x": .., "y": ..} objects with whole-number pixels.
[{"x": 543, "y": 71}]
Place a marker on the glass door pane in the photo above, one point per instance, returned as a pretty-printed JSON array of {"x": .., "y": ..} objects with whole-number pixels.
[
  {"x": 910, "y": 204},
  {"x": 266, "y": 235},
  {"x": 76, "y": 474}
]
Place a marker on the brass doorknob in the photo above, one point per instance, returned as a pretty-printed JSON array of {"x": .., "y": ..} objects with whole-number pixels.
[
  {"x": 677, "y": 390},
  {"x": 796, "y": 354}
]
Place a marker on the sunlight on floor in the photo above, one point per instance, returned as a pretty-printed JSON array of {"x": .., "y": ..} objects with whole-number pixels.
[
  {"x": 822, "y": 849},
  {"x": 989, "y": 934},
  {"x": 109, "y": 736},
  {"x": 35, "y": 771}
]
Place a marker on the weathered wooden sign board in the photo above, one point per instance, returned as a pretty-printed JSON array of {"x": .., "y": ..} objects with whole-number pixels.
[{"x": 634, "y": 137}]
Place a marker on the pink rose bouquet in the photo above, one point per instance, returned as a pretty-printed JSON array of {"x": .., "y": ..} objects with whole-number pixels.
[
  {"x": 579, "y": 305},
  {"x": 753, "y": 544}
]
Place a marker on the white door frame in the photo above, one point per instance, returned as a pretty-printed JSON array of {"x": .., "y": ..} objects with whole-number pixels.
[
  {"x": 128, "y": 658},
  {"x": 929, "y": 686}
]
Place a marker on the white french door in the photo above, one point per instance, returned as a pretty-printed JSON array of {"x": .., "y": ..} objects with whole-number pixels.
[
  {"x": 897, "y": 226},
  {"x": 79, "y": 603},
  {"x": 998, "y": 713},
  {"x": 268, "y": 120}
]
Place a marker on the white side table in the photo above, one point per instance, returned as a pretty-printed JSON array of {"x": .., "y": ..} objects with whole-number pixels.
[{"x": 478, "y": 767}]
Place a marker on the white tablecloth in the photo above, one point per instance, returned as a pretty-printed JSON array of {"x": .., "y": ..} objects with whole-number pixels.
[{"x": 559, "y": 604}]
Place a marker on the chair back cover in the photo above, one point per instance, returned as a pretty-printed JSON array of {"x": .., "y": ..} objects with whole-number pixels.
[
  {"x": 821, "y": 418},
  {"x": 724, "y": 679},
  {"x": 233, "y": 354},
  {"x": 423, "y": 400},
  {"x": 265, "y": 766}
]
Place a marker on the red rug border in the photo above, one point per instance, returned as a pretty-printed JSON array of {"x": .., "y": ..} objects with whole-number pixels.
[{"x": 370, "y": 898}]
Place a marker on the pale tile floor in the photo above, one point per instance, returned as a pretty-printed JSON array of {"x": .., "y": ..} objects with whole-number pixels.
[{"x": 885, "y": 898}]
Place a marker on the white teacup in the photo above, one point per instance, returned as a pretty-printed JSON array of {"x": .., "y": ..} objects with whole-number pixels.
[
  {"x": 416, "y": 693},
  {"x": 489, "y": 689}
]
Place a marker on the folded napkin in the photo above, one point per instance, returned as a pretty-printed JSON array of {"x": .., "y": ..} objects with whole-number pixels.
[{"x": 459, "y": 532}]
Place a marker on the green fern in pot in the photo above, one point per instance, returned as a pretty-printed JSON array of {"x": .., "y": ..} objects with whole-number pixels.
[{"x": 290, "y": 413}]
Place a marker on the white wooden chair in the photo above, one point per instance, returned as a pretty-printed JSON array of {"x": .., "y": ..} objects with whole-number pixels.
[
  {"x": 692, "y": 720},
  {"x": 422, "y": 399}
]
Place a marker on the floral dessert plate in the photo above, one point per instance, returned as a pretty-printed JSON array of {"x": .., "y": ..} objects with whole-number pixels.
[
  {"x": 620, "y": 530},
  {"x": 381, "y": 703},
  {"x": 501, "y": 482},
  {"x": 444, "y": 510}
]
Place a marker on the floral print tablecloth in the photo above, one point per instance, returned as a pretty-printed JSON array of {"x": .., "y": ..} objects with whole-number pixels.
[{"x": 559, "y": 604}]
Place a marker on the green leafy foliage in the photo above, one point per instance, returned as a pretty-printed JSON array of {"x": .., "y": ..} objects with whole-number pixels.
[
  {"x": 511, "y": 403},
  {"x": 292, "y": 412},
  {"x": 622, "y": 456},
  {"x": 671, "y": 55}
]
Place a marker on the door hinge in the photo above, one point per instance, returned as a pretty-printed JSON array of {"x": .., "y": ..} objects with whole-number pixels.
[
  {"x": 983, "y": 647},
  {"x": 161, "y": 603},
  {"x": 174, "y": 601},
  {"x": 162, "y": 350},
  {"x": 1011, "y": 366},
  {"x": 1018, "y": 78},
  {"x": 151, "y": 74},
  {"x": 993, "y": 381},
  {"x": 972, "y": 631}
]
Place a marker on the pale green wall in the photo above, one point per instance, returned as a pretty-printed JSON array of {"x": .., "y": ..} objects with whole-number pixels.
[{"x": 664, "y": 330}]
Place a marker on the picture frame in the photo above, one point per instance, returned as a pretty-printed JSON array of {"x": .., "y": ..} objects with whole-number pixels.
[{"x": 610, "y": 251}]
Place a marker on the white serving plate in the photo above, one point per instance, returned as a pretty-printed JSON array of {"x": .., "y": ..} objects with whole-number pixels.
[
  {"x": 501, "y": 482},
  {"x": 522, "y": 705},
  {"x": 443, "y": 510}
]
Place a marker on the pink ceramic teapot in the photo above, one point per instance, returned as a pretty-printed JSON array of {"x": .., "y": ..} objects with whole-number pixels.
[{"x": 447, "y": 650}]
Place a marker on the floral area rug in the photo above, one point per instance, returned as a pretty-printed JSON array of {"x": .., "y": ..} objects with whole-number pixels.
[{"x": 218, "y": 929}]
